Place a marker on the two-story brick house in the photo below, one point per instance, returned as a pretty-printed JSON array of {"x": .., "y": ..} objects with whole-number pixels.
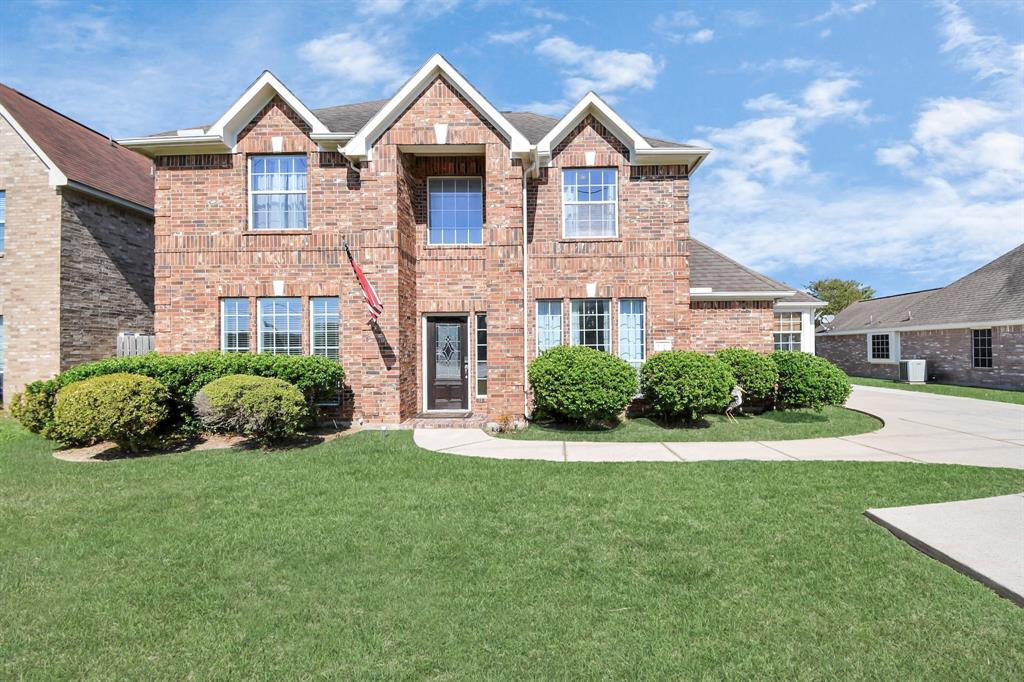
[
  {"x": 76, "y": 242},
  {"x": 432, "y": 189}
]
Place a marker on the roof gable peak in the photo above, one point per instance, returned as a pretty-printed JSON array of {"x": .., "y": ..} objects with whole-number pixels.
[{"x": 252, "y": 101}]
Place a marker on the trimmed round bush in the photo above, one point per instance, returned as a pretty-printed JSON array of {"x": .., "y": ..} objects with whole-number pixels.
[
  {"x": 315, "y": 376},
  {"x": 580, "y": 384},
  {"x": 754, "y": 372},
  {"x": 33, "y": 409},
  {"x": 809, "y": 381},
  {"x": 265, "y": 409},
  {"x": 686, "y": 384},
  {"x": 124, "y": 408}
]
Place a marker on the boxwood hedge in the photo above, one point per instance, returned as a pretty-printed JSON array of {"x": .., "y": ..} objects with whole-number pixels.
[{"x": 582, "y": 385}]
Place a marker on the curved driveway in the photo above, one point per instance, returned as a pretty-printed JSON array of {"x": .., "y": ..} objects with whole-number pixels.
[{"x": 919, "y": 427}]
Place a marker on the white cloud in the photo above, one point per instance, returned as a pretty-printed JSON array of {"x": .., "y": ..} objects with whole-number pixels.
[
  {"x": 824, "y": 33},
  {"x": 705, "y": 35},
  {"x": 379, "y": 7},
  {"x": 745, "y": 18},
  {"x": 963, "y": 161},
  {"x": 675, "y": 26},
  {"x": 798, "y": 65},
  {"x": 839, "y": 9},
  {"x": 545, "y": 13},
  {"x": 354, "y": 59},
  {"x": 603, "y": 71},
  {"x": 520, "y": 36}
]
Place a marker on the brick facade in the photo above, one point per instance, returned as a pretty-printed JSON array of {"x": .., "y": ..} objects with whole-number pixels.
[
  {"x": 74, "y": 271},
  {"x": 948, "y": 352},
  {"x": 729, "y": 324},
  {"x": 205, "y": 251}
]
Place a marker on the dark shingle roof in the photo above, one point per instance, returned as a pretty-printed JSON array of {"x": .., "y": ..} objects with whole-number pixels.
[
  {"x": 714, "y": 270},
  {"x": 82, "y": 154},
  {"x": 992, "y": 293},
  {"x": 349, "y": 118}
]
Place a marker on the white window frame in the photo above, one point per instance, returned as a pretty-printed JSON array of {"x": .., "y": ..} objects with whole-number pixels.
[
  {"x": 259, "y": 322},
  {"x": 476, "y": 356},
  {"x": 573, "y": 329},
  {"x": 799, "y": 334},
  {"x": 536, "y": 323},
  {"x": 251, "y": 193},
  {"x": 313, "y": 348},
  {"x": 643, "y": 330},
  {"x": 614, "y": 203},
  {"x": 894, "y": 348},
  {"x": 223, "y": 327},
  {"x": 3, "y": 219},
  {"x": 483, "y": 222}
]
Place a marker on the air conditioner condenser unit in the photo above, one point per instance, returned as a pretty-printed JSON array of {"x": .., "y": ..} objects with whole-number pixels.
[{"x": 914, "y": 371}]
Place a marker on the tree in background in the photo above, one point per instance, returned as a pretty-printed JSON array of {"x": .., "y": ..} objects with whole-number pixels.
[{"x": 839, "y": 294}]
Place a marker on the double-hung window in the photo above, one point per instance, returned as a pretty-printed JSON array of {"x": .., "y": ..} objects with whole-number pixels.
[
  {"x": 277, "y": 192},
  {"x": 324, "y": 321},
  {"x": 234, "y": 325},
  {"x": 456, "y": 210},
  {"x": 632, "y": 337},
  {"x": 592, "y": 323},
  {"x": 879, "y": 347},
  {"x": 3, "y": 217},
  {"x": 981, "y": 348},
  {"x": 787, "y": 331},
  {"x": 549, "y": 325},
  {"x": 590, "y": 202},
  {"x": 481, "y": 355},
  {"x": 280, "y": 330}
]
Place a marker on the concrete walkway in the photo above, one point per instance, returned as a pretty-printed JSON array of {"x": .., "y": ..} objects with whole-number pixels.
[
  {"x": 983, "y": 539},
  {"x": 919, "y": 427}
]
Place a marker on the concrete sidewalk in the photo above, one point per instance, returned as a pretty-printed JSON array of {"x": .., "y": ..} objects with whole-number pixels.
[
  {"x": 919, "y": 427},
  {"x": 983, "y": 539}
]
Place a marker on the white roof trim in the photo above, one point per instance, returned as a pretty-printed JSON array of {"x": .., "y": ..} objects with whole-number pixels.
[
  {"x": 56, "y": 176},
  {"x": 252, "y": 101},
  {"x": 359, "y": 146},
  {"x": 739, "y": 295},
  {"x": 592, "y": 104},
  {"x": 802, "y": 304},
  {"x": 926, "y": 327}
]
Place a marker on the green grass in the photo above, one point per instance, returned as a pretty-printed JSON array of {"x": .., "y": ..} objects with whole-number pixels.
[
  {"x": 369, "y": 558},
  {"x": 994, "y": 394},
  {"x": 785, "y": 425}
]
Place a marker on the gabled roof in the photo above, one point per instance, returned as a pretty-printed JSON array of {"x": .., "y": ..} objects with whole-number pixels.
[
  {"x": 77, "y": 155},
  {"x": 356, "y": 126},
  {"x": 715, "y": 276},
  {"x": 359, "y": 146},
  {"x": 994, "y": 293}
]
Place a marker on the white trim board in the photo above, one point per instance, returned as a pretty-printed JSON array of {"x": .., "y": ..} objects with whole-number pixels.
[{"x": 927, "y": 327}]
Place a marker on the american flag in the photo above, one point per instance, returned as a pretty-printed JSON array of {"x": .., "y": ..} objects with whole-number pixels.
[{"x": 370, "y": 297}]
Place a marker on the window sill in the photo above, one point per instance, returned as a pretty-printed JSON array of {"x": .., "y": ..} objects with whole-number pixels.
[
  {"x": 251, "y": 233},
  {"x": 576, "y": 240},
  {"x": 455, "y": 246},
  {"x": 883, "y": 362}
]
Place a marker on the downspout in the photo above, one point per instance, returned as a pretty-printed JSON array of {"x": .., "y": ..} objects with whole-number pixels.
[{"x": 526, "y": 296}]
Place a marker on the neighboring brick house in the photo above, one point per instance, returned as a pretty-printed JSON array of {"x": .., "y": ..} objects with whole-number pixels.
[
  {"x": 76, "y": 242},
  {"x": 970, "y": 332},
  {"x": 431, "y": 189}
]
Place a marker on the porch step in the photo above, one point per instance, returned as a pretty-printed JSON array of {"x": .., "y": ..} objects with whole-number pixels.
[{"x": 445, "y": 420}]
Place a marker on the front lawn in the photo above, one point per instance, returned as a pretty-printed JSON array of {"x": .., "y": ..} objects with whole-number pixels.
[
  {"x": 783, "y": 425},
  {"x": 369, "y": 558},
  {"x": 994, "y": 394}
]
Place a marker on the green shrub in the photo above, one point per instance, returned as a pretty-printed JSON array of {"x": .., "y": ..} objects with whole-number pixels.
[
  {"x": 315, "y": 376},
  {"x": 262, "y": 408},
  {"x": 124, "y": 408},
  {"x": 684, "y": 384},
  {"x": 580, "y": 384},
  {"x": 809, "y": 381},
  {"x": 33, "y": 409},
  {"x": 754, "y": 372}
]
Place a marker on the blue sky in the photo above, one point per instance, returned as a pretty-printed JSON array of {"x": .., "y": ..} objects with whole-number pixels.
[{"x": 880, "y": 141}]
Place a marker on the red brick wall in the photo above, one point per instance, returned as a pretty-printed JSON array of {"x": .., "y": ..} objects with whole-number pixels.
[
  {"x": 204, "y": 250},
  {"x": 732, "y": 324}
]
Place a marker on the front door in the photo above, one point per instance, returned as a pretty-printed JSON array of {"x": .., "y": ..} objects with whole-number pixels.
[{"x": 447, "y": 363}]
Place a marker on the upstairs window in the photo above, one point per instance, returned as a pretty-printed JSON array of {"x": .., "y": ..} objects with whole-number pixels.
[
  {"x": 592, "y": 324},
  {"x": 280, "y": 326},
  {"x": 787, "y": 331},
  {"x": 981, "y": 348},
  {"x": 590, "y": 202},
  {"x": 277, "y": 192},
  {"x": 3, "y": 217},
  {"x": 456, "y": 210}
]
